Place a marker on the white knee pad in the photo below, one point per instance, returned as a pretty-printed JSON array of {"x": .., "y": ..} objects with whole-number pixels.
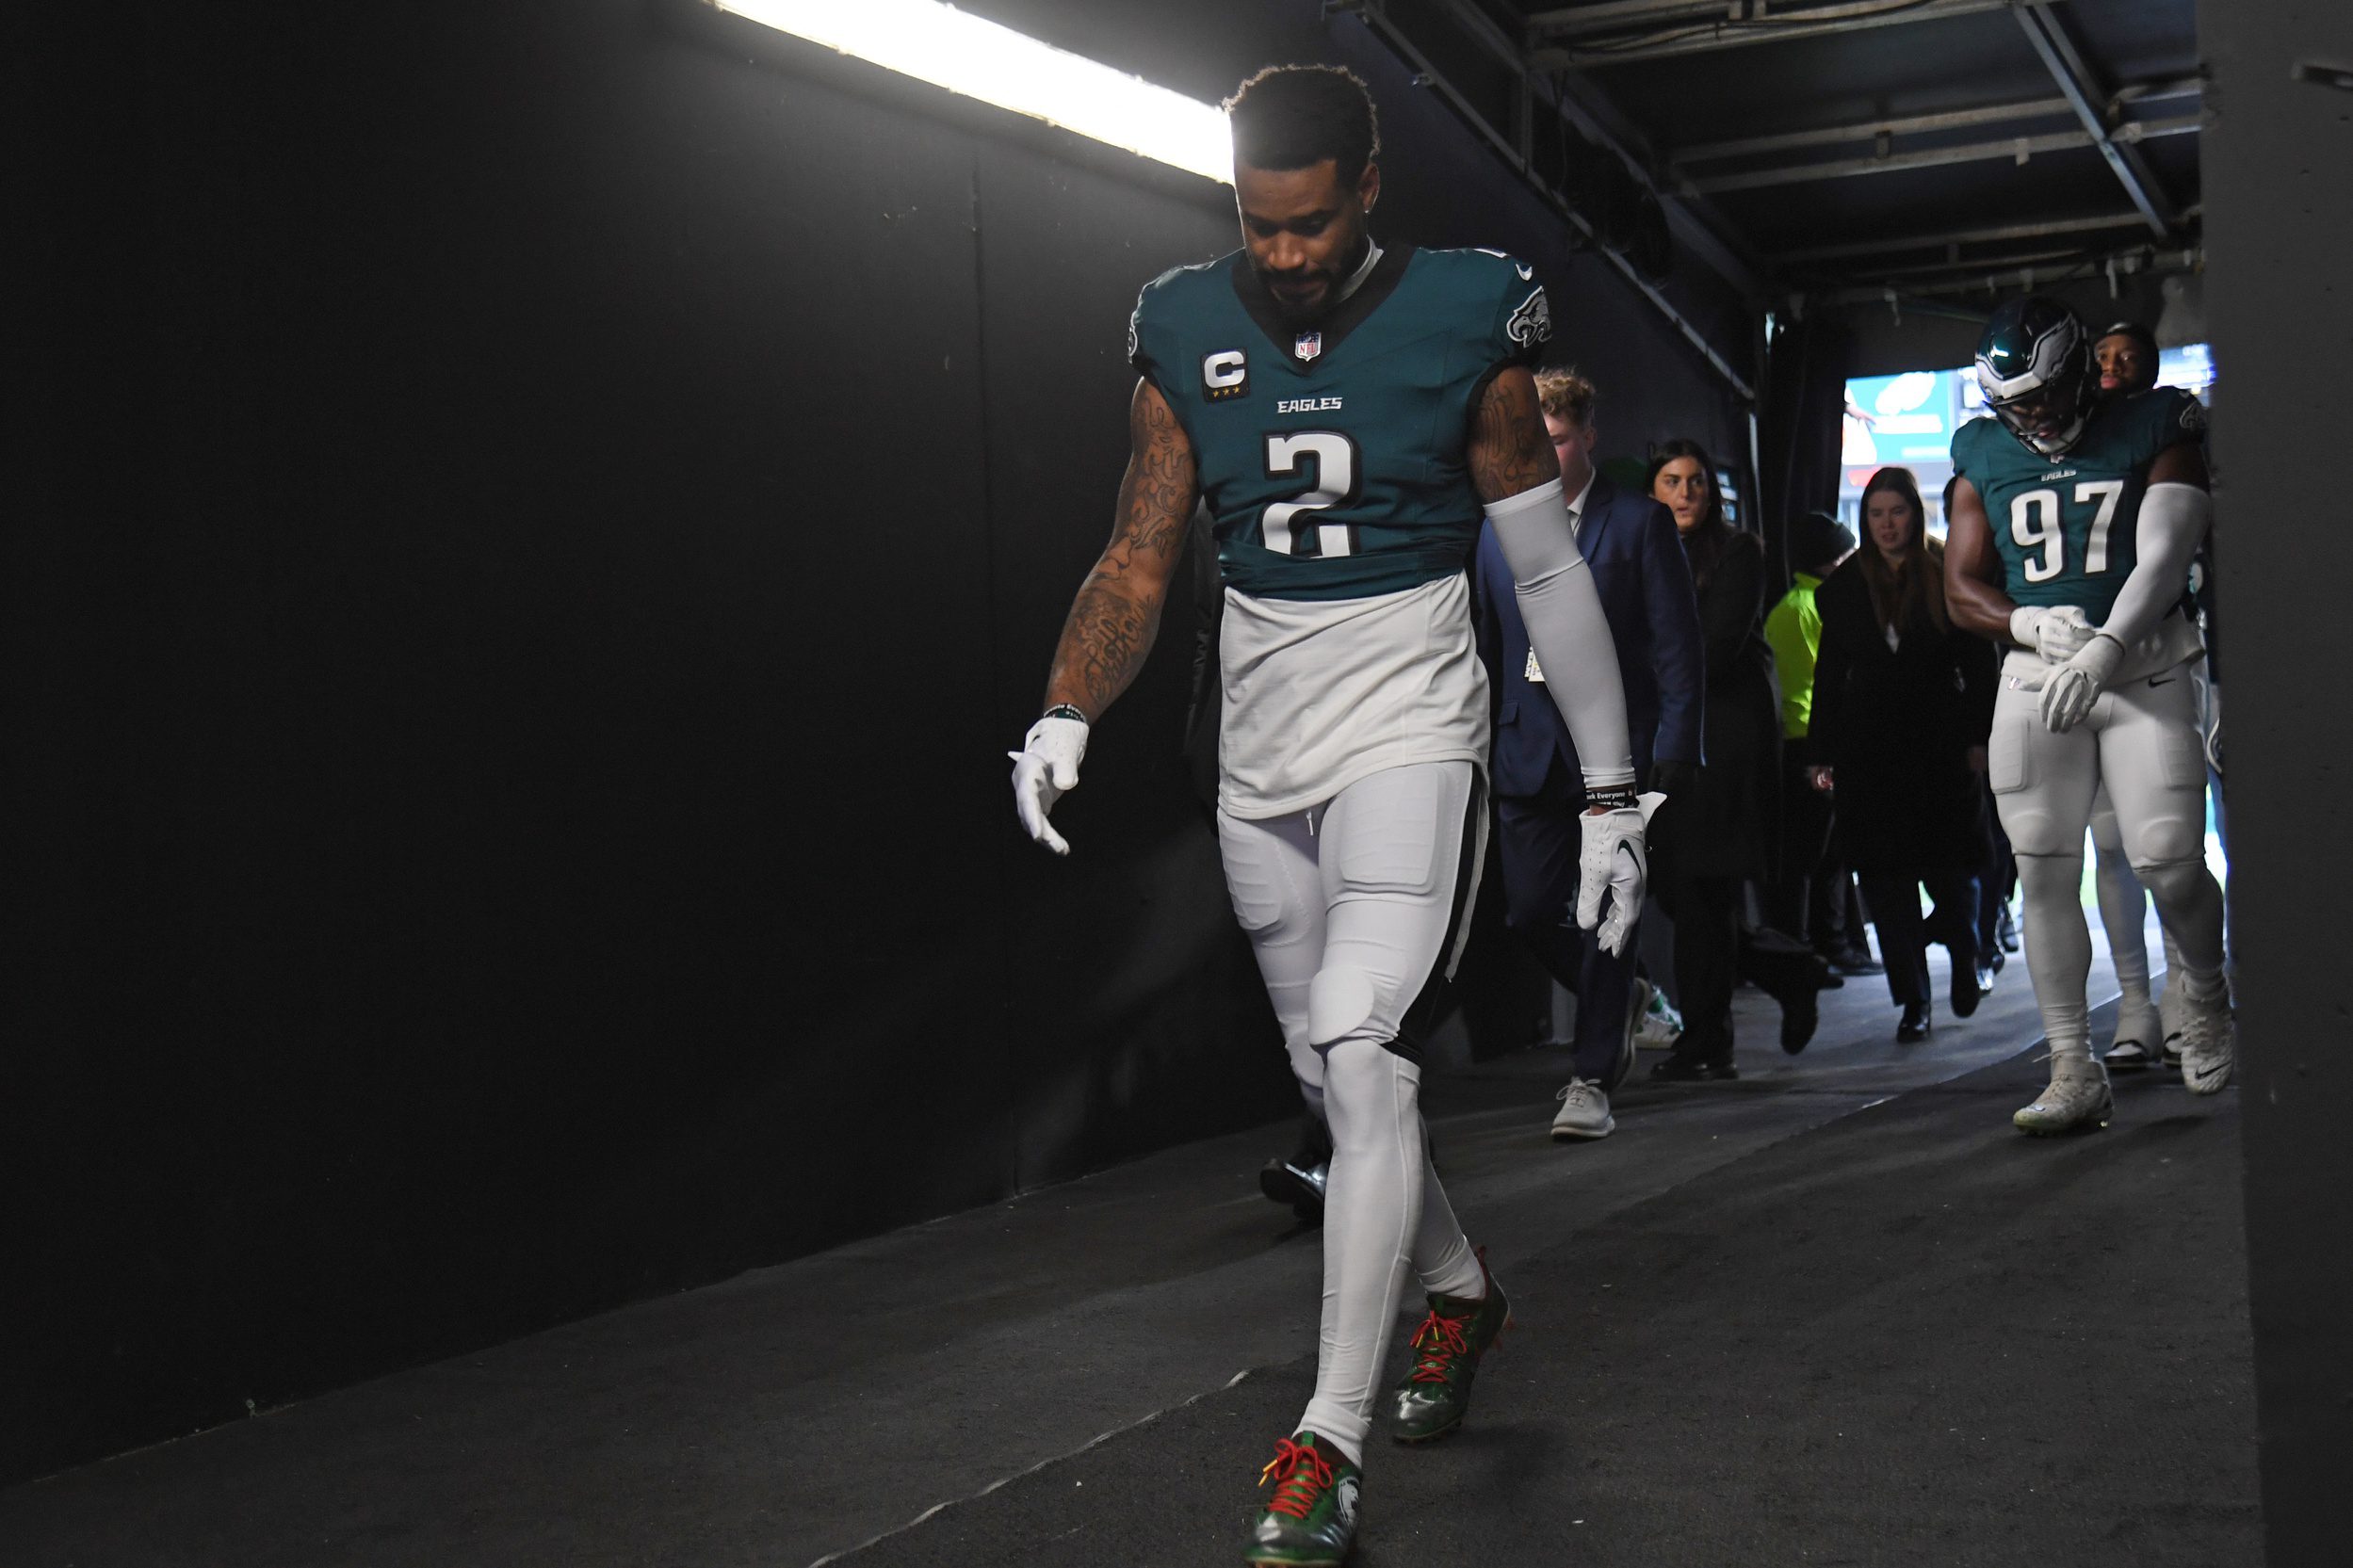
[
  {"x": 1339, "y": 1000},
  {"x": 2175, "y": 838}
]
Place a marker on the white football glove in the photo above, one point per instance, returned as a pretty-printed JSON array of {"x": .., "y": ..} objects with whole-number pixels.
[
  {"x": 2075, "y": 685},
  {"x": 2057, "y": 632},
  {"x": 1614, "y": 859},
  {"x": 1045, "y": 769}
]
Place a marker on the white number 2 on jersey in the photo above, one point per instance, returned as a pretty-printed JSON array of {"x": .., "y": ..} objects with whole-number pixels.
[
  {"x": 2034, "y": 526},
  {"x": 1334, "y": 458}
]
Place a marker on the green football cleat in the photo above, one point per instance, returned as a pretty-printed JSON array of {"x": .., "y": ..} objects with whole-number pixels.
[
  {"x": 1310, "y": 1522},
  {"x": 1435, "y": 1395}
]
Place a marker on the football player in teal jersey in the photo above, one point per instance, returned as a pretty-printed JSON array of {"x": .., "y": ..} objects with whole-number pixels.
[
  {"x": 2072, "y": 528},
  {"x": 1349, "y": 410}
]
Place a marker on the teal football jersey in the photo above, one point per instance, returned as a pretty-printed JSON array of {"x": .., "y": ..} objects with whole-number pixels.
[
  {"x": 1333, "y": 458},
  {"x": 2065, "y": 524}
]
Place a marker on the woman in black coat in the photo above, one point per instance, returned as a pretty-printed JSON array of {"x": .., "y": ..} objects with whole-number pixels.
[
  {"x": 1711, "y": 833},
  {"x": 1903, "y": 702}
]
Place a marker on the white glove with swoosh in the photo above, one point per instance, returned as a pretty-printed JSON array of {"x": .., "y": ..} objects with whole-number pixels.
[
  {"x": 1044, "y": 769},
  {"x": 2076, "y": 684},
  {"x": 1614, "y": 859}
]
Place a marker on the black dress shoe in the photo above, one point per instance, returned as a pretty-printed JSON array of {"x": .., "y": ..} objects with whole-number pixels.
[
  {"x": 1674, "y": 1067},
  {"x": 1995, "y": 960},
  {"x": 1913, "y": 1027},
  {"x": 1969, "y": 985},
  {"x": 1800, "y": 1016},
  {"x": 1299, "y": 1180},
  {"x": 2006, "y": 930}
]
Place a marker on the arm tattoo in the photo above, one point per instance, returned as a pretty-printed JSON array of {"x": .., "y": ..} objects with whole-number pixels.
[
  {"x": 1117, "y": 612},
  {"x": 1510, "y": 451}
]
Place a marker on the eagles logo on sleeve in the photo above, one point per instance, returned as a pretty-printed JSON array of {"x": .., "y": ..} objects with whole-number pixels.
[{"x": 1531, "y": 323}]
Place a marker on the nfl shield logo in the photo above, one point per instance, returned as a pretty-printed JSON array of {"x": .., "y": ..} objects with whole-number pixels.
[{"x": 1308, "y": 345}]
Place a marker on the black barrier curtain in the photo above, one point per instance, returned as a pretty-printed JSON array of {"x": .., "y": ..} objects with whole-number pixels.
[{"x": 1807, "y": 365}]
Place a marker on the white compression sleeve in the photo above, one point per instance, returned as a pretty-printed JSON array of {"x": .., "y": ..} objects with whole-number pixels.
[
  {"x": 1567, "y": 630},
  {"x": 2174, "y": 520}
]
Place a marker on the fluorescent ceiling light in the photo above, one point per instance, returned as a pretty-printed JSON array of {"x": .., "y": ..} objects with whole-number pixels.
[{"x": 940, "y": 44}]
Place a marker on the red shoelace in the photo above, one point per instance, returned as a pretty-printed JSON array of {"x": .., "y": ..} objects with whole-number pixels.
[
  {"x": 1299, "y": 1474},
  {"x": 1439, "y": 1340}
]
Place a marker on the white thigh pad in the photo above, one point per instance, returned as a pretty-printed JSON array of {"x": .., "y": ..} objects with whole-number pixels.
[{"x": 2043, "y": 782}]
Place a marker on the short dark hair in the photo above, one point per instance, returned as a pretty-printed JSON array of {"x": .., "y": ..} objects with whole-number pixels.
[
  {"x": 2138, "y": 333},
  {"x": 1295, "y": 116}
]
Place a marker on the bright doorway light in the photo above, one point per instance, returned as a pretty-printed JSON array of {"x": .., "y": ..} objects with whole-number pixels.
[{"x": 940, "y": 44}]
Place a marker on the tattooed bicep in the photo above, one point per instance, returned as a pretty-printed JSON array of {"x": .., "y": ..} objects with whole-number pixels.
[{"x": 1510, "y": 451}]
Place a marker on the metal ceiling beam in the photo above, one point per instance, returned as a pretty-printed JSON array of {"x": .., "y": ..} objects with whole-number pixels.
[
  {"x": 1635, "y": 16},
  {"x": 2050, "y": 39},
  {"x": 1718, "y": 32},
  {"x": 1697, "y": 229},
  {"x": 1432, "y": 78},
  {"x": 1958, "y": 237},
  {"x": 1918, "y": 124},
  {"x": 2138, "y": 262},
  {"x": 2020, "y": 148},
  {"x": 1901, "y": 125}
]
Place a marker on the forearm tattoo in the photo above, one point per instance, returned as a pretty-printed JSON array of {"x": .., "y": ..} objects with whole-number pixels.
[
  {"x": 1117, "y": 612},
  {"x": 1510, "y": 451}
]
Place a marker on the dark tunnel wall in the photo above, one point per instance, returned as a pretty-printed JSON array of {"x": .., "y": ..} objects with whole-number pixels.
[
  {"x": 2277, "y": 152},
  {"x": 530, "y": 531}
]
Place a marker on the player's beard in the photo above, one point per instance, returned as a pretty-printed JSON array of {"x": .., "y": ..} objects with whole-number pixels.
[{"x": 1319, "y": 302}]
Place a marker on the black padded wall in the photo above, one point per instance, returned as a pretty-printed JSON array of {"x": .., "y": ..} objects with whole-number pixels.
[
  {"x": 530, "y": 531},
  {"x": 2277, "y": 152}
]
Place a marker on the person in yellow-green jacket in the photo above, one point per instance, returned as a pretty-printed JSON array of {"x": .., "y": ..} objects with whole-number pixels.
[{"x": 1809, "y": 895}]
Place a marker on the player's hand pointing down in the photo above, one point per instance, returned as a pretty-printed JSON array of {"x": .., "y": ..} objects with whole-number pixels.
[
  {"x": 1044, "y": 769},
  {"x": 1614, "y": 859}
]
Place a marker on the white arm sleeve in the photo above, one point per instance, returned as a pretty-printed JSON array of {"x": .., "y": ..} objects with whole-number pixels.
[
  {"x": 2173, "y": 521},
  {"x": 1567, "y": 630}
]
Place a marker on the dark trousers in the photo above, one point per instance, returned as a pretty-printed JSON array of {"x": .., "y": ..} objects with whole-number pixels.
[
  {"x": 1706, "y": 912},
  {"x": 1536, "y": 846},
  {"x": 1809, "y": 895},
  {"x": 1903, "y": 937},
  {"x": 1998, "y": 876}
]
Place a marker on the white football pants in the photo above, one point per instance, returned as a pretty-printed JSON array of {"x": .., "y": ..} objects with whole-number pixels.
[
  {"x": 2123, "y": 908},
  {"x": 2140, "y": 742},
  {"x": 1357, "y": 910}
]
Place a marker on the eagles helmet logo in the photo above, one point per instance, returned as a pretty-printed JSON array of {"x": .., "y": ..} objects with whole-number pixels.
[
  {"x": 1531, "y": 323},
  {"x": 2035, "y": 367}
]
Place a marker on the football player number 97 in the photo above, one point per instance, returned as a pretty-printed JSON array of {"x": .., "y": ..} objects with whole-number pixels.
[
  {"x": 1335, "y": 480},
  {"x": 2034, "y": 526}
]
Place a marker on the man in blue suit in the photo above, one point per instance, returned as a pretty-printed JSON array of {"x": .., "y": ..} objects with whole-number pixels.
[{"x": 1645, "y": 587}]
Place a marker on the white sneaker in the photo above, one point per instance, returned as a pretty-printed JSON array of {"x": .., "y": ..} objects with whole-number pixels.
[
  {"x": 1584, "y": 1111},
  {"x": 2139, "y": 1038},
  {"x": 2210, "y": 1044},
  {"x": 1661, "y": 1026},
  {"x": 2077, "y": 1098}
]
